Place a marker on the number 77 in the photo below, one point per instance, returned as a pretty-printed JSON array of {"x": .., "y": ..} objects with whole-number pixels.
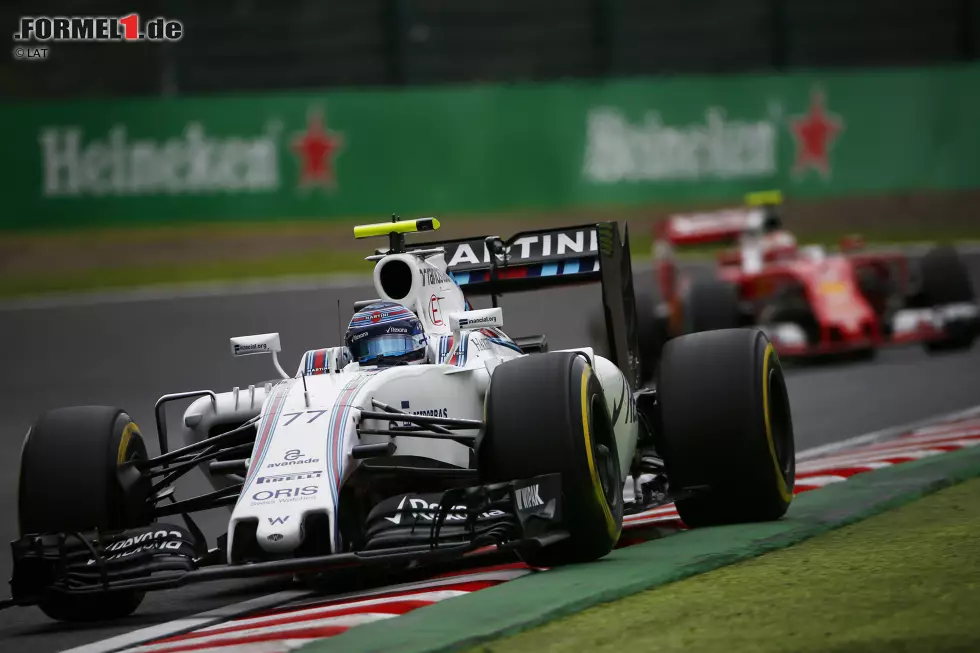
[{"x": 295, "y": 416}]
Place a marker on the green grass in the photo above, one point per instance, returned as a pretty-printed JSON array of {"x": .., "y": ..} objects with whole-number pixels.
[
  {"x": 137, "y": 276},
  {"x": 907, "y": 580}
]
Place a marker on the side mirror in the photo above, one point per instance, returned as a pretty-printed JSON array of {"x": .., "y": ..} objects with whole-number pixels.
[
  {"x": 263, "y": 343},
  {"x": 467, "y": 320}
]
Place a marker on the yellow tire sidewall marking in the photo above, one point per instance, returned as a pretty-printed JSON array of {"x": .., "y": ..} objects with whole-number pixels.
[
  {"x": 127, "y": 435},
  {"x": 611, "y": 526},
  {"x": 784, "y": 492}
]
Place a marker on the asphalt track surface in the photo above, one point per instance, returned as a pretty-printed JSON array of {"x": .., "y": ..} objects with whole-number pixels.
[{"x": 129, "y": 353}]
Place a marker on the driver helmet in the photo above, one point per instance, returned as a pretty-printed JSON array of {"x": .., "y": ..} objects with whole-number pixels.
[
  {"x": 385, "y": 333},
  {"x": 773, "y": 219}
]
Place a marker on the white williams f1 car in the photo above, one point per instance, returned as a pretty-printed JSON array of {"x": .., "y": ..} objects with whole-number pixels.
[{"x": 427, "y": 435}]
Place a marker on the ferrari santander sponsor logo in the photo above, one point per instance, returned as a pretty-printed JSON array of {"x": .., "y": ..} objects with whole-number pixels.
[
  {"x": 622, "y": 148},
  {"x": 194, "y": 159}
]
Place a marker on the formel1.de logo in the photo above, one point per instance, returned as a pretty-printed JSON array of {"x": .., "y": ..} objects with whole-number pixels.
[
  {"x": 35, "y": 34},
  {"x": 97, "y": 29}
]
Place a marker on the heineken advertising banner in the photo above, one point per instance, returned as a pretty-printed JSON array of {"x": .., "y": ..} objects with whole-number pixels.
[{"x": 489, "y": 148}]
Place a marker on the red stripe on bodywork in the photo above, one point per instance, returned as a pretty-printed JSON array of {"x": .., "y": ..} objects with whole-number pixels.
[
  {"x": 319, "y": 360},
  {"x": 268, "y": 422},
  {"x": 512, "y": 273}
]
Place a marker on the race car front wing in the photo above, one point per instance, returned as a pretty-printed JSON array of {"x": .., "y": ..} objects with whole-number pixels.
[
  {"x": 164, "y": 556},
  {"x": 906, "y": 327}
]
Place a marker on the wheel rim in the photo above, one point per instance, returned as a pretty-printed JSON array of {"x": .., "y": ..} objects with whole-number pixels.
[
  {"x": 604, "y": 453},
  {"x": 780, "y": 424}
]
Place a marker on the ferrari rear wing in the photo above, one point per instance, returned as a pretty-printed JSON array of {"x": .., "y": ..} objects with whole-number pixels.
[
  {"x": 721, "y": 226},
  {"x": 542, "y": 258},
  {"x": 724, "y": 226}
]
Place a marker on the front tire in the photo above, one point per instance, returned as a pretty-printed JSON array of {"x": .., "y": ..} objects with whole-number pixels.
[
  {"x": 74, "y": 478},
  {"x": 726, "y": 427},
  {"x": 945, "y": 280},
  {"x": 547, "y": 414}
]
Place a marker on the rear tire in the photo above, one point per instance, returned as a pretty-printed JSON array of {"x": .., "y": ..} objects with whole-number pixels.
[
  {"x": 944, "y": 280},
  {"x": 726, "y": 426},
  {"x": 710, "y": 305},
  {"x": 547, "y": 414},
  {"x": 73, "y": 479}
]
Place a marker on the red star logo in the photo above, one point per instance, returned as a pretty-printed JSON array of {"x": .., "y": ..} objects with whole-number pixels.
[
  {"x": 316, "y": 148},
  {"x": 815, "y": 133}
]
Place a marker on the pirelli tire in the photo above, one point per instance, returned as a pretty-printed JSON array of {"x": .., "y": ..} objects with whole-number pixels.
[
  {"x": 943, "y": 280},
  {"x": 74, "y": 478},
  {"x": 710, "y": 304},
  {"x": 727, "y": 431},
  {"x": 547, "y": 414}
]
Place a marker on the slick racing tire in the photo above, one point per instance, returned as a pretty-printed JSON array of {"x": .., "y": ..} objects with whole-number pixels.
[
  {"x": 547, "y": 414},
  {"x": 727, "y": 433},
  {"x": 711, "y": 304},
  {"x": 944, "y": 279},
  {"x": 73, "y": 478}
]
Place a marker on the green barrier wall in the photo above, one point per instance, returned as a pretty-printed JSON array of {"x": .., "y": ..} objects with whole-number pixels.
[{"x": 489, "y": 148}]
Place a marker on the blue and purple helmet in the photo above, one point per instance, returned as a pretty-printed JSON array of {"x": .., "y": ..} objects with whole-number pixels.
[{"x": 385, "y": 334}]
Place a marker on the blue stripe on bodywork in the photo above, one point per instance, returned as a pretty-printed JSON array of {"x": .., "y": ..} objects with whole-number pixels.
[
  {"x": 509, "y": 344},
  {"x": 336, "y": 430}
]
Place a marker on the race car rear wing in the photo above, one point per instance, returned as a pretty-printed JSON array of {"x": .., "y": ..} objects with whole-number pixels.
[
  {"x": 542, "y": 258},
  {"x": 688, "y": 229},
  {"x": 721, "y": 226}
]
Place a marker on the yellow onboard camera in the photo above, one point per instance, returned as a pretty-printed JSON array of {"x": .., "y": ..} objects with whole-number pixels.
[
  {"x": 764, "y": 198},
  {"x": 395, "y": 227}
]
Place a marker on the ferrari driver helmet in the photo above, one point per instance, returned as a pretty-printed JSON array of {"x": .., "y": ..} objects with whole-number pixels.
[{"x": 385, "y": 333}]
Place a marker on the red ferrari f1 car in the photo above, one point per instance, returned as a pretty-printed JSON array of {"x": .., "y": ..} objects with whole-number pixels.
[{"x": 811, "y": 302}]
